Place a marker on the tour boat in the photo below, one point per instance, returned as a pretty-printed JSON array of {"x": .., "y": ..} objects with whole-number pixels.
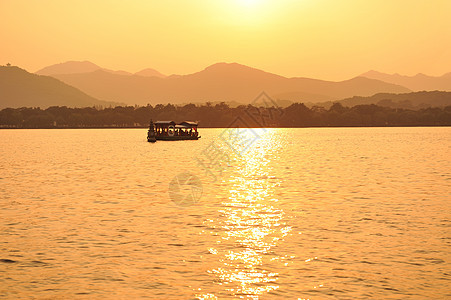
[{"x": 171, "y": 131}]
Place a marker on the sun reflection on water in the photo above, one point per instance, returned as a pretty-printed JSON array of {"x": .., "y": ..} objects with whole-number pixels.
[{"x": 251, "y": 225}]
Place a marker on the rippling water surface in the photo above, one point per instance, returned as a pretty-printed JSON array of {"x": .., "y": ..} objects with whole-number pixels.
[{"x": 349, "y": 213}]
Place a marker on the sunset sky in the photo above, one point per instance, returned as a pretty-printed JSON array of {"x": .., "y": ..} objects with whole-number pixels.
[{"x": 326, "y": 39}]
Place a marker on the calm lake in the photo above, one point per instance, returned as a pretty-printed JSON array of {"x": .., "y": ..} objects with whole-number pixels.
[{"x": 317, "y": 213}]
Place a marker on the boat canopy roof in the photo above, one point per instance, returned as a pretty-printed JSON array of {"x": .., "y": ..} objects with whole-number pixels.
[
  {"x": 185, "y": 124},
  {"x": 189, "y": 124}
]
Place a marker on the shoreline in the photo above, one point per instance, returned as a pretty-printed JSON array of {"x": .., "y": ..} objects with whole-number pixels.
[{"x": 222, "y": 127}]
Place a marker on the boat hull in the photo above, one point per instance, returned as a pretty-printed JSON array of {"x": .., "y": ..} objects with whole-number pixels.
[{"x": 176, "y": 138}]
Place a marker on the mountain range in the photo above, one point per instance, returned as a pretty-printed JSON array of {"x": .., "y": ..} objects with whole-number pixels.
[
  {"x": 86, "y": 84},
  {"x": 219, "y": 82},
  {"x": 419, "y": 82},
  {"x": 413, "y": 100},
  {"x": 77, "y": 67}
]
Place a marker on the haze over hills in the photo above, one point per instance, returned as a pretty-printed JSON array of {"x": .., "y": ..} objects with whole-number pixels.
[
  {"x": 219, "y": 82},
  {"x": 419, "y": 82},
  {"x": 18, "y": 88}
]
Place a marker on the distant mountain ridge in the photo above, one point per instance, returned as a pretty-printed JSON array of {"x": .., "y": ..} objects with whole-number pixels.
[
  {"x": 219, "y": 82},
  {"x": 19, "y": 88},
  {"x": 413, "y": 100},
  {"x": 69, "y": 67},
  {"x": 78, "y": 67},
  {"x": 150, "y": 73},
  {"x": 419, "y": 82}
]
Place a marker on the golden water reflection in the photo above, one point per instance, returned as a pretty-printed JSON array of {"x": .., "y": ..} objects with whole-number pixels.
[{"x": 251, "y": 225}]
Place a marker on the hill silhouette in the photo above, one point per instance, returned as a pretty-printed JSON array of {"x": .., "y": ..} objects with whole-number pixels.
[
  {"x": 69, "y": 67},
  {"x": 77, "y": 67},
  {"x": 414, "y": 100},
  {"x": 220, "y": 82},
  {"x": 419, "y": 82},
  {"x": 150, "y": 73},
  {"x": 22, "y": 89}
]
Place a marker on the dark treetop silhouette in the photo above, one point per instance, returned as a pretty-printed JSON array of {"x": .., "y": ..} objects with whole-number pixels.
[{"x": 221, "y": 115}]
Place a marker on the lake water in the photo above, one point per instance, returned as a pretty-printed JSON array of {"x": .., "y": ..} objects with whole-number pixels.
[{"x": 324, "y": 213}]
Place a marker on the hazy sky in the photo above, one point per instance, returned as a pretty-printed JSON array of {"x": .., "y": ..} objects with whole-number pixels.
[{"x": 326, "y": 39}]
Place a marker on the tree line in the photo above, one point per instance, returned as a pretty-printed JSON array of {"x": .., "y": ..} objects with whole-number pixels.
[{"x": 222, "y": 115}]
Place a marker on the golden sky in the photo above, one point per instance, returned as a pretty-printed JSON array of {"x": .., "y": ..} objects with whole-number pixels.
[{"x": 325, "y": 39}]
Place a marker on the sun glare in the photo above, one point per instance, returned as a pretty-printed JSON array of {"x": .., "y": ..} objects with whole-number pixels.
[
  {"x": 244, "y": 12},
  {"x": 249, "y": 2}
]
